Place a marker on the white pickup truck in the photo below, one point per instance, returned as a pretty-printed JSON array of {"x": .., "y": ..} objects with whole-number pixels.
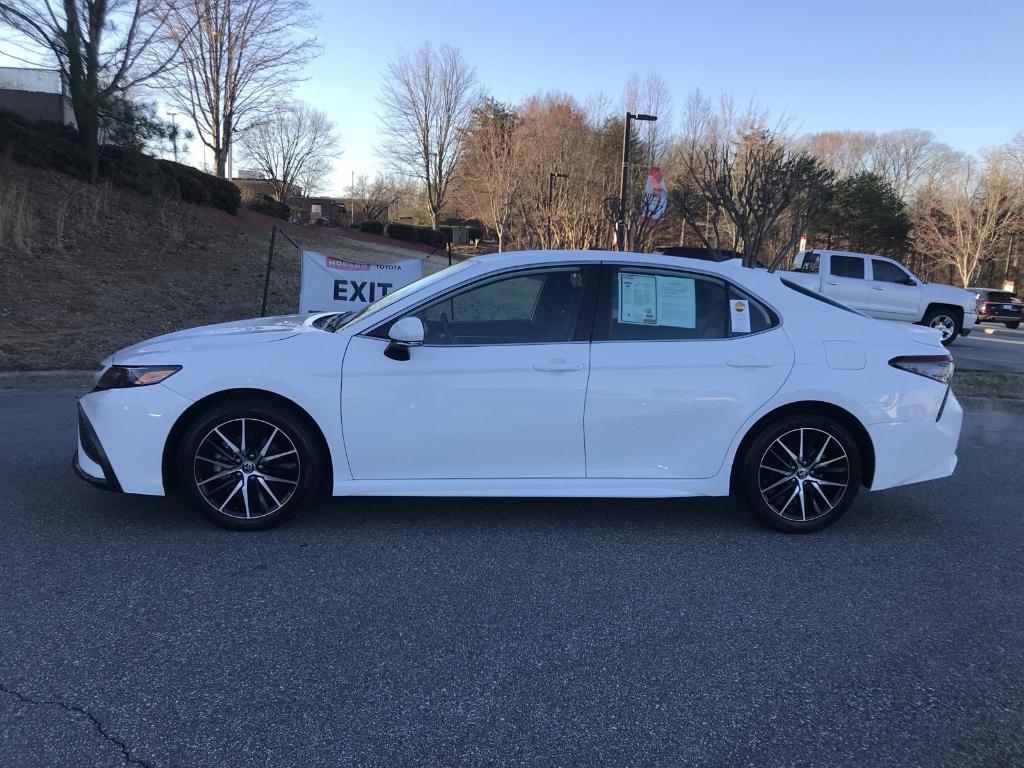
[{"x": 885, "y": 289}]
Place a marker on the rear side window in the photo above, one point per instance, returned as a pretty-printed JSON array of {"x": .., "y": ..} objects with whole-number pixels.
[
  {"x": 848, "y": 266},
  {"x": 760, "y": 317},
  {"x": 886, "y": 272},
  {"x": 649, "y": 304},
  {"x": 809, "y": 262}
]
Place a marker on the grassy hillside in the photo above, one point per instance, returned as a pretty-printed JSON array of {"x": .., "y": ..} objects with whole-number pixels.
[{"x": 87, "y": 269}]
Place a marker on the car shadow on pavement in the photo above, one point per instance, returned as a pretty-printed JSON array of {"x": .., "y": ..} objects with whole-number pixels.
[{"x": 363, "y": 514}]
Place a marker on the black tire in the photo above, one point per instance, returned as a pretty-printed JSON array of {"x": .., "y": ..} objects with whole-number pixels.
[
  {"x": 946, "y": 322},
  {"x": 772, "y": 481},
  {"x": 1014, "y": 325},
  {"x": 256, "y": 493}
]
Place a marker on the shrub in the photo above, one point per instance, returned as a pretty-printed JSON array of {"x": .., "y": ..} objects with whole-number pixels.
[
  {"x": 47, "y": 145},
  {"x": 476, "y": 233},
  {"x": 42, "y": 144},
  {"x": 265, "y": 204},
  {"x": 203, "y": 188},
  {"x": 373, "y": 227},
  {"x": 434, "y": 237},
  {"x": 400, "y": 231},
  {"x": 411, "y": 234}
]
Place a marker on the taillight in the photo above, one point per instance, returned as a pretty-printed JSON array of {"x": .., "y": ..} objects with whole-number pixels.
[{"x": 937, "y": 367}]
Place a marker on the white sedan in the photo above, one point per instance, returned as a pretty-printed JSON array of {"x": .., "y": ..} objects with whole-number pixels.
[{"x": 552, "y": 373}]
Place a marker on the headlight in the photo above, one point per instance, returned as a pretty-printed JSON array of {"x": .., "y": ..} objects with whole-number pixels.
[{"x": 122, "y": 376}]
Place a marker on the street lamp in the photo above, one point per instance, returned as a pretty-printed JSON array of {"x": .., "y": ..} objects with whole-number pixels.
[
  {"x": 174, "y": 134},
  {"x": 551, "y": 196},
  {"x": 620, "y": 225}
]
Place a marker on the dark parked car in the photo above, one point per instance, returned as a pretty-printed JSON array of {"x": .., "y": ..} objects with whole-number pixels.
[{"x": 998, "y": 307}]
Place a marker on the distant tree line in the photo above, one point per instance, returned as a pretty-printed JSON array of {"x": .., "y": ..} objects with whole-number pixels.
[{"x": 544, "y": 173}]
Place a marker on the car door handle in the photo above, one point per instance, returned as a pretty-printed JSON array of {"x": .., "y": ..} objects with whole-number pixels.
[
  {"x": 749, "y": 361},
  {"x": 831, "y": 282},
  {"x": 558, "y": 366},
  {"x": 877, "y": 288}
]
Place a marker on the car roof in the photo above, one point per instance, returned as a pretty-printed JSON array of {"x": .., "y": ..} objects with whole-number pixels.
[{"x": 731, "y": 269}]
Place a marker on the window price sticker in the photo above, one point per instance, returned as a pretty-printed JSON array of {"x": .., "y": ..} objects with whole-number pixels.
[{"x": 739, "y": 314}]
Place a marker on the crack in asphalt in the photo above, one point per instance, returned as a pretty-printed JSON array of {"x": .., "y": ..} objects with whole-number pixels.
[{"x": 126, "y": 752}]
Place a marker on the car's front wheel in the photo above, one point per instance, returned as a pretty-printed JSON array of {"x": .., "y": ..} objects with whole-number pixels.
[
  {"x": 801, "y": 473},
  {"x": 248, "y": 465}
]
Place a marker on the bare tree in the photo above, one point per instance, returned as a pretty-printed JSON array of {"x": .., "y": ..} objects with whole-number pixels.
[
  {"x": 291, "y": 147},
  {"x": 374, "y": 198},
  {"x": 907, "y": 157},
  {"x": 493, "y": 166},
  {"x": 847, "y": 153},
  {"x": 741, "y": 187},
  {"x": 237, "y": 59},
  {"x": 426, "y": 106},
  {"x": 959, "y": 222},
  {"x": 103, "y": 49}
]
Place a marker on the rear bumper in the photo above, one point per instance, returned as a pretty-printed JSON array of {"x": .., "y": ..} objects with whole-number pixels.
[
  {"x": 914, "y": 451},
  {"x": 1009, "y": 317}
]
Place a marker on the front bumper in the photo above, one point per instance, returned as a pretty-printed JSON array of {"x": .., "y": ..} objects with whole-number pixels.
[
  {"x": 121, "y": 437},
  {"x": 914, "y": 451},
  {"x": 90, "y": 461}
]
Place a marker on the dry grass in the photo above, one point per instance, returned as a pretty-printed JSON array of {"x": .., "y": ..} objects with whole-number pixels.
[
  {"x": 18, "y": 225},
  {"x": 1002, "y": 384}
]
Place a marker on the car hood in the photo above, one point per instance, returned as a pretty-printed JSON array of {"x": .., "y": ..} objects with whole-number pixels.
[
  {"x": 259, "y": 330},
  {"x": 949, "y": 294}
]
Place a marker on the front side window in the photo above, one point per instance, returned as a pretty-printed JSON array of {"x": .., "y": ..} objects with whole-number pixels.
[
  {"x": 888, "y": 272},
  {"x": 531, "y": 307},
  {"x": 848, "y": 266}
]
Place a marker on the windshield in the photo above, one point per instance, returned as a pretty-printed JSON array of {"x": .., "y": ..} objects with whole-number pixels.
[{"x": 401, "y": 293}]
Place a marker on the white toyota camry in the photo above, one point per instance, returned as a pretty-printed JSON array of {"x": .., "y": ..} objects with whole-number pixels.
[{"x": 534, "y": 374}]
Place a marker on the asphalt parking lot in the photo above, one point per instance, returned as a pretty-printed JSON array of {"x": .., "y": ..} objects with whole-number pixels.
[
  {"x": 403, "y": 632},
  {"x": 990, "y": 347}
]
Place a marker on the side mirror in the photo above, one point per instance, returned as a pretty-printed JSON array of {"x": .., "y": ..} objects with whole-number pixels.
[
  {"x": 406, "y": 333},
  {"x": 909, "y": 281}
]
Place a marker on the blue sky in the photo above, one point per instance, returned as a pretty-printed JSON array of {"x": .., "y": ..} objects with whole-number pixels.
[{"x": 955, "y": 68}]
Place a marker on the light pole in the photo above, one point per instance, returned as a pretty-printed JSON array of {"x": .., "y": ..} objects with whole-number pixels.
[
  {"x": 551, "y": 197},
  {"x": 174, "y": 134},
  {"x": 620, "y": 225}
]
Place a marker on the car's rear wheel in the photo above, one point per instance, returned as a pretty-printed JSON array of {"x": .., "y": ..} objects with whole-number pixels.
[
  {"x": 945, "y": 322},
  {"x": 1014, "y": 325},
  {"x": 801, "y": 473},
  {"x": 248, "y": 465}
]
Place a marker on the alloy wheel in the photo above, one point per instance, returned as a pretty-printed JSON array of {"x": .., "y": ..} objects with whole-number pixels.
[
  {"x": 945, "y": 324},
  {"x": 804, "y": 474},
  {"x": 246, "y": 468}
]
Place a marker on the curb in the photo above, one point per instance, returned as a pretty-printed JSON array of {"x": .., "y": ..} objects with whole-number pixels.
[{"x": 46, "y": 381}]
